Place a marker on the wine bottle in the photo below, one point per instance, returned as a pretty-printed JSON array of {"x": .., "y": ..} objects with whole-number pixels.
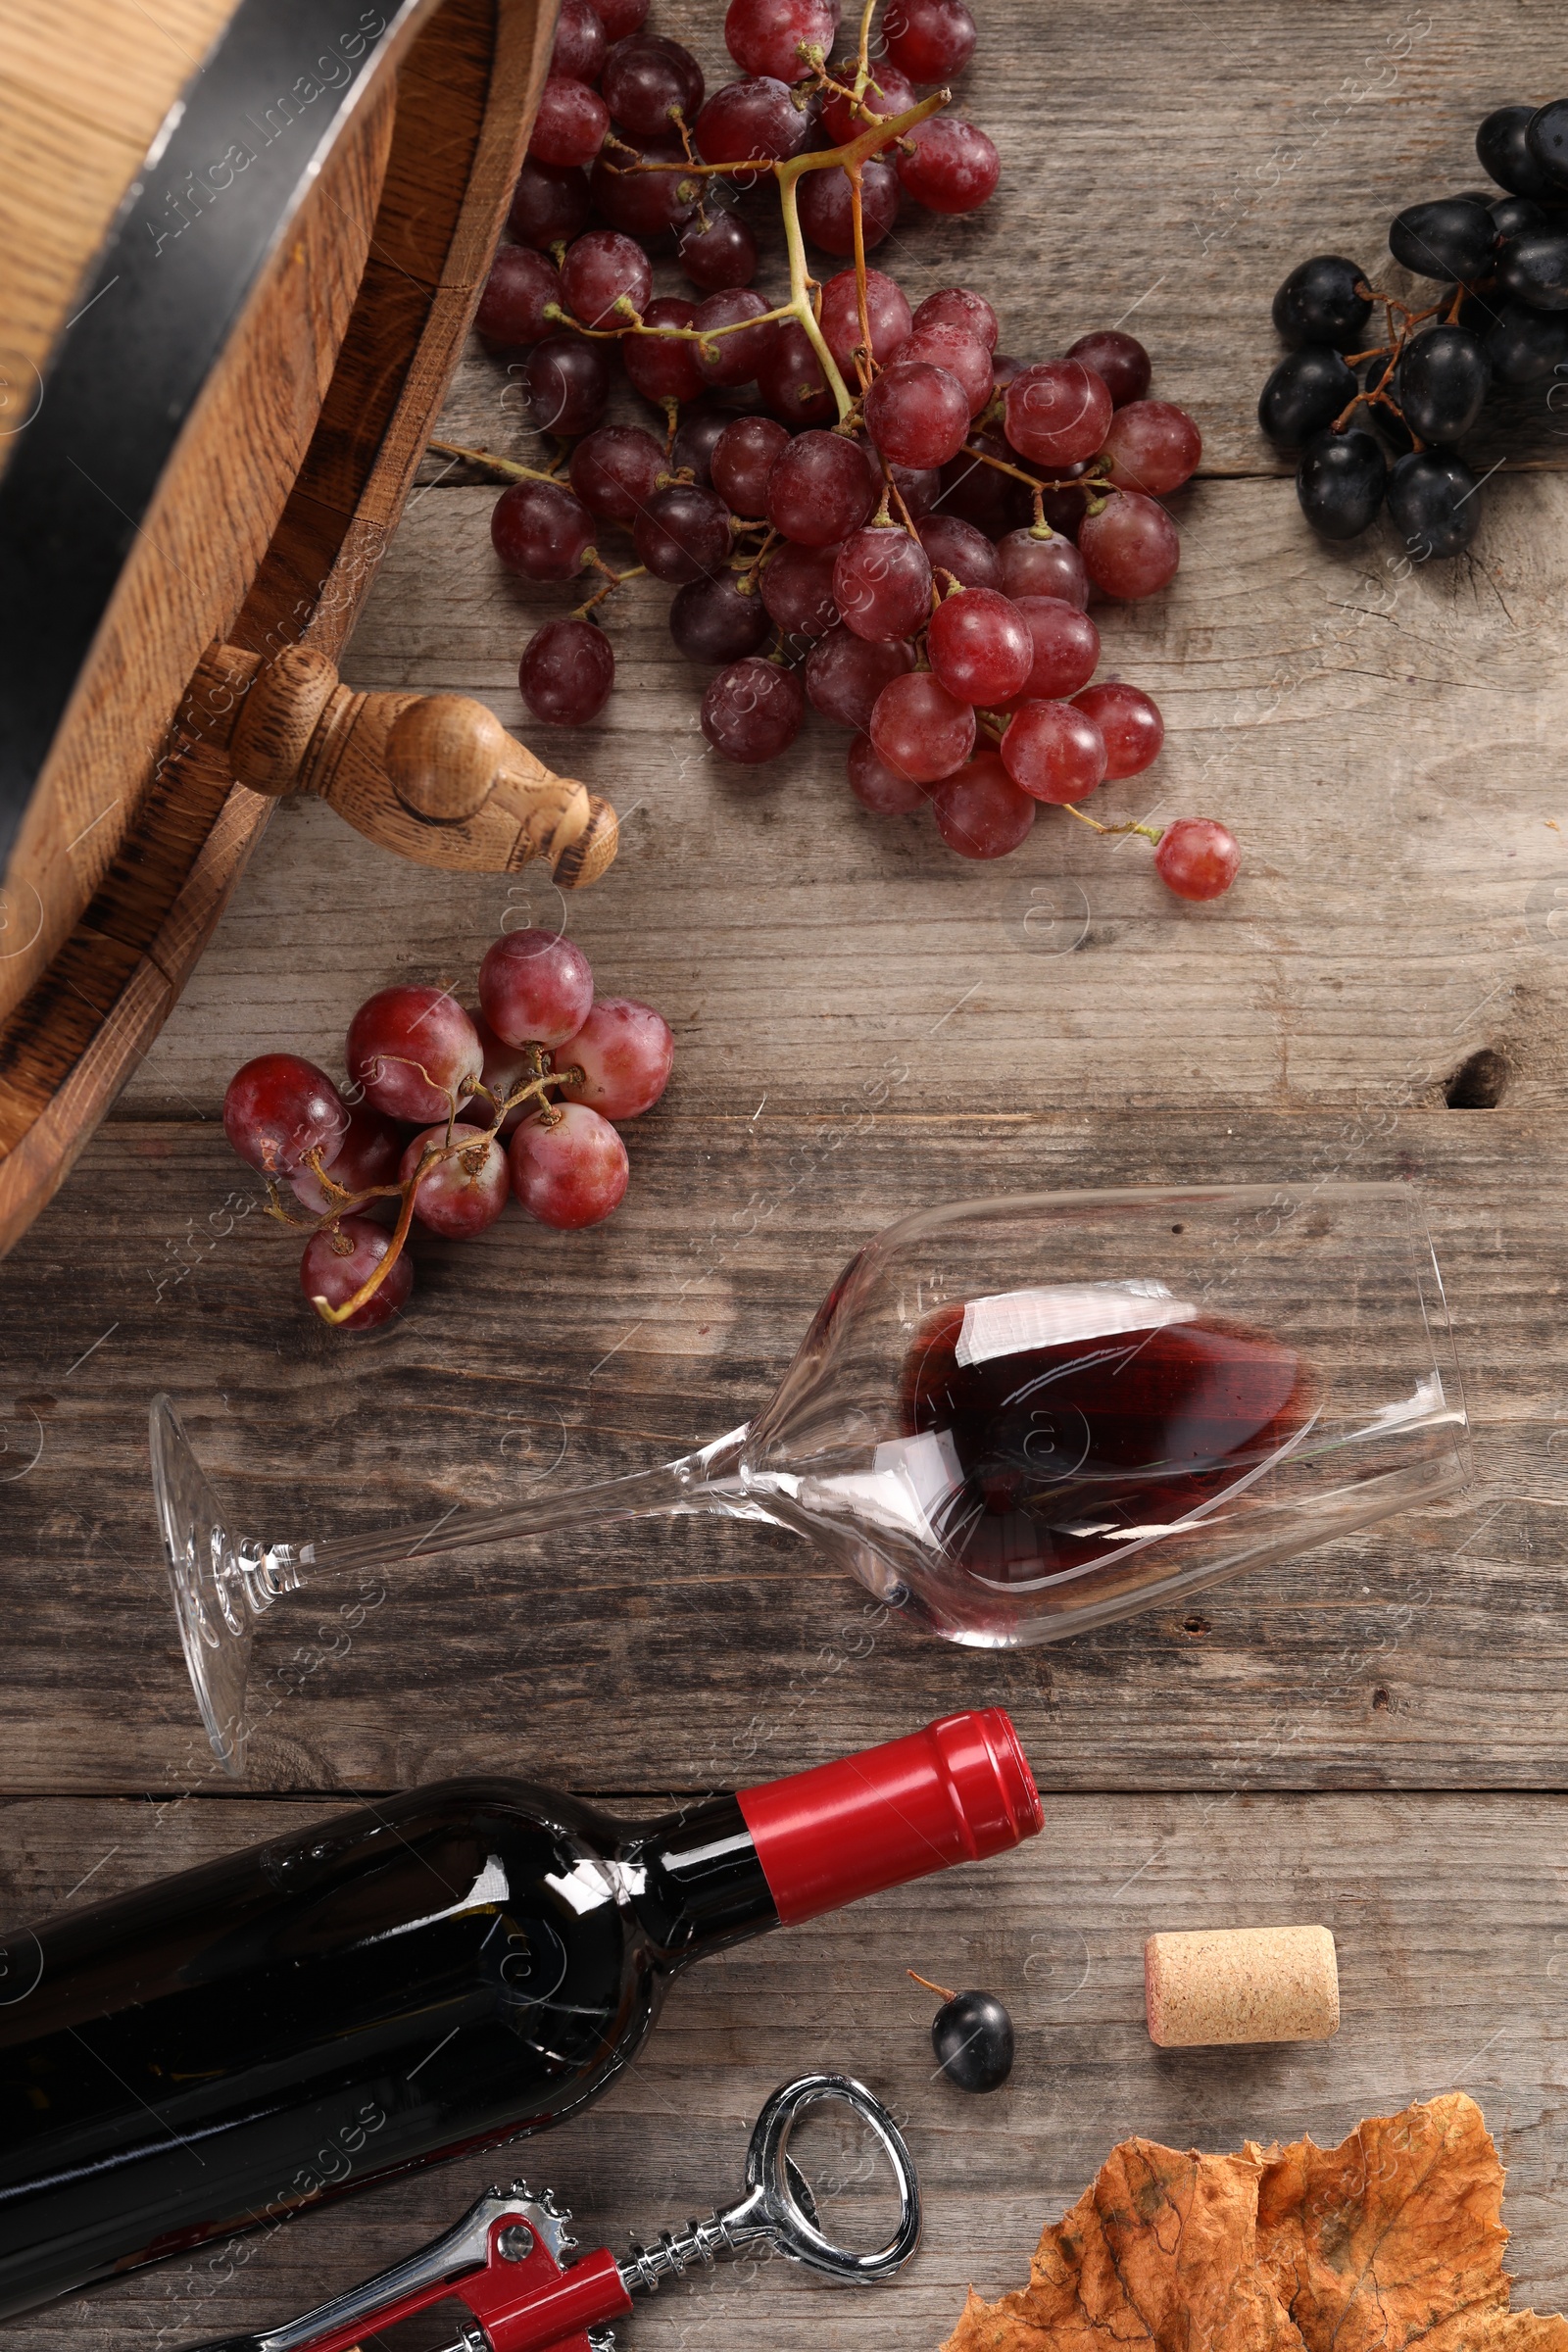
[{"x": 443, "y": 1971}]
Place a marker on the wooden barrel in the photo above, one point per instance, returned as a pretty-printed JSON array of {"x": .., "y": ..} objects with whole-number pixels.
[{"x": 240, "y": 244}]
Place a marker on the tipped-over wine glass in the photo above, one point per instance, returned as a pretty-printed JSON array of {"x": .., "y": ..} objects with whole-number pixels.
[{"x": 1010, "y": 1419}]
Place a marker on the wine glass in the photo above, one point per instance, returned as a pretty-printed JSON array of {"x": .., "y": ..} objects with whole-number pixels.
[{"x": 1011, "y": 1419}]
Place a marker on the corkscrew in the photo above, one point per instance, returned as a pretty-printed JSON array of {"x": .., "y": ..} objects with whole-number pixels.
[{"x": 505, "y": 2259}]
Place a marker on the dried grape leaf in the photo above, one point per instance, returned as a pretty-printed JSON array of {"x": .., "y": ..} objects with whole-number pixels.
[
  {"x": 1160, "y": 2252},
  {"x": 1374, "y": 2243}
]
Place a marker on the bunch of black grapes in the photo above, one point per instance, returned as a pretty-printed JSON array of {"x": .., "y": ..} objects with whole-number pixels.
[{"x": 1376, "y": 413}]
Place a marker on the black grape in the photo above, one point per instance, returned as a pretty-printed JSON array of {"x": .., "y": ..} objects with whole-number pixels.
[
  {"x": 1431, "y": 500},
  {"x": 1339, "y": 483},
  {"x": 1443, "y": 379},
  {"x": 1452, "y": 238},
  {"x": 1305, "y": 392},
  {"x": 1318, "y": 303},
  {"x": 1534, "y": 268},
  {"x": 1513, "y": 215},
  {"x": 1525, "y": 346},
  {"x": 716, "y": 621},
  {"x": 1503, "y": 147},
  {"x": 1547, "y": 141}
]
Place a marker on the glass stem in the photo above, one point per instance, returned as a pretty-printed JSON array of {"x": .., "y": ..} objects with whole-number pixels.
[{"x": 707, "y": 1481}]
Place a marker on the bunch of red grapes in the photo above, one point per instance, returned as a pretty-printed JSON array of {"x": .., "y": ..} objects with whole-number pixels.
[
  {"x": 451, "y": 1111},
  {"x": 904, "y": 529}
]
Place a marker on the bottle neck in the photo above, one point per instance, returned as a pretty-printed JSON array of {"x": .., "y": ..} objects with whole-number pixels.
[{"x": 698, "y": 1882}]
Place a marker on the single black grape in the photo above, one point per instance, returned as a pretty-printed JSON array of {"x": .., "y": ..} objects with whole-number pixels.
[
  {"x": 1320, "y": 303},
  {"x": 972, "y": 2036},
  {"x": 717, "y": 620},
  {"x": 1431, "y": 500},
  {"x": 1444, "y": 376},
  {"x": 1502, "y": 144},
  {"x": 1339, "y": 482},
  {"x": 1525, "y": 346},
  {"x": 1534, "y": 268},
  {"x": 567, "y": 671},
  {"x": 1511, "y": 216},
  {"x": 1451, "y": 238},
  {"x": 1547, "y": 141},
  {"x": 1305, "y": 392}
]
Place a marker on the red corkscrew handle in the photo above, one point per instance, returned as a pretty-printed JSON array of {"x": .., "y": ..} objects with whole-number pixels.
[{"x": 520, "y": 2316}]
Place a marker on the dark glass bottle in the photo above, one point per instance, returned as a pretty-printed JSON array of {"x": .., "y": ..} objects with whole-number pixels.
[{"x": 444, "y": 1971}]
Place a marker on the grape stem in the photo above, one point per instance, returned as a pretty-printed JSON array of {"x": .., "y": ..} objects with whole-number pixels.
[
  {"x": 1089, "y": 483},
  {"x": 507, "y": 468},
  {"x": 1153, "y": 833},
  {"x": 941, "y": 1990},
  {"x": 612, "y": 581}
]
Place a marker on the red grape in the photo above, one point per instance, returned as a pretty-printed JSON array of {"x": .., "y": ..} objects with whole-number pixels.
[
  {"x": 845, "y": 675},
  {"x": 954, "y": 169},
  {"x": 1196, "y": 858},
  {"x": 961, "y": 354},
  {"x": 1131, "y": 548},
  {"x": 644, "y": 202},
  {"x": 620, "y": 17},
  {"x": 753, "y": 710},
  {"x": 1053, "y": 566},
  {"x": 506, "y": 1069},
  {"x": 663, "y": 367},
  {"x": 1152, "y": 446},
  {"x": 791, "y": 381},
  {"x": 718, "y": 620},
  {"x": 930, "y": 40},
  {"x": 890, "y": 92},
  {"x": 917, "y": 414},
  {"x": 971, "y": 314},
  {"x": 549, "y": 205},
  {"x": 366, "y": 1156},
  {"x": 683, "y": 532},
  {"x": 955, "y": 546},
  {"x": 717, "y": 252},
  {"x": 982, "y": 495},
  {"x": 821, "y": 489},
  {"x": 626, "y": 1052},
  {"x": 279, "y": 1108},
  {"x": 826, "y": 210},
  {"x": 616, "y": 470},
  {"x": 920, "y": 729},
  {"x": 1120, "y": 360},
  {"x": 880, "y": 788},
  {"x": 1130, "y": 724},
  {"x": 980, "y": 811},
  {"x": 650, "y": 84},
  {"x": 742, "y": 460},
  {"x": 696, "y": 436},
  {"x": 798, "y": 589},
  {"x": 521, "y": 284},
  {"x": 1066, "y": 647},
  {"x": 979, "y": 646},
  {"x": 752, "y": 121},
  {"x": 571, "y": 1173},
  {"x": 568, "y": 385},
  {"x": 414, "y": 1052},
  {"x": 887, "y": 314},
  {"x": 541, "y": 531},
  {"x": 606, "y": 277},
  {"x": 1058, "y": 413},
  {"x": 733, "y": 358},
  {"x": 566, "y": 673},
  {"x": 581, "y": 44},
  {"x": 1054, "y": 751},
  {"x": 918, "y": 486},
  {"x": 570, "y": 125},
  {"x": 882, "y": 583},
  {"x": 459, "y": 1196},
  {"x": 341, "y": 1259},
  {"x": 766, "y": 36},
  {"x": 535, "y": 989}
]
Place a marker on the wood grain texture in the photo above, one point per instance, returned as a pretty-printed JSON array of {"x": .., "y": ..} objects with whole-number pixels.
[{"x": 1372, "y": 1736}]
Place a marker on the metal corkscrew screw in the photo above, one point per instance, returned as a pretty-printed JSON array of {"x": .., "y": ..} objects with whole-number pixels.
[{"x": 503, "y": 2259}]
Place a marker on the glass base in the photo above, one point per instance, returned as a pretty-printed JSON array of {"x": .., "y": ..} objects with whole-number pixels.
[{"x": 214, "y": 1623}]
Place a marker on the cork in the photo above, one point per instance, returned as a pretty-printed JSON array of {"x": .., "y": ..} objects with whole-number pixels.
[{"x": 1236, "y": 1984}]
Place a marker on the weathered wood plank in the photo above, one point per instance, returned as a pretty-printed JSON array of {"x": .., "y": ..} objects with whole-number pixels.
[{"x": 1448, "y": 1914}]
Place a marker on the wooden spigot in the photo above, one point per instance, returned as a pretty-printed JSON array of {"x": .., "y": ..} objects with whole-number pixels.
[{"x": 435, "y": 777}]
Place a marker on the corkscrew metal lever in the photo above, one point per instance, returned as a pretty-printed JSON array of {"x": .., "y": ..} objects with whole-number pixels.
[{"x": 504, "y": 2258}]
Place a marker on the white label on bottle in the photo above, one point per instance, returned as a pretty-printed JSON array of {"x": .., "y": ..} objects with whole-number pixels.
[{"x": 1015, "y": 1321}]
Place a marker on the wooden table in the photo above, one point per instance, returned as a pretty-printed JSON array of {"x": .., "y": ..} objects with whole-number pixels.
[{"x": 1371, "y": 1736}]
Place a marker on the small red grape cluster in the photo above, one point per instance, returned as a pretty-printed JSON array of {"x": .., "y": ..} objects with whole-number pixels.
[
  {"x": 452, "y": 1111},
  {"x": 904, "y": 531}
]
